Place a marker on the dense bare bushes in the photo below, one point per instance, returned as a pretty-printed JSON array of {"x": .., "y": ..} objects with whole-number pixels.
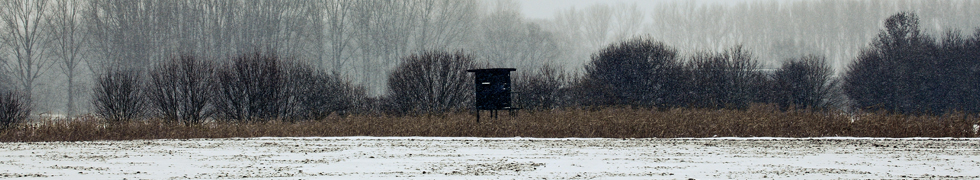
[
  {"x": 906, "y": 71},
  {"x": 806, "y": 82},
  {"x": 264, "y": 87},
  {"x": 250, "y": 87},
  {"x": 253, "y": 86},
  {"x": 646, "y": 73},
  {"x": 545, "y": 89},
  {"x": 319, "y": 94},
  {"x": 725, "y": 80},
  {"x": 431, "y": 82},
  {"x": 180, "y": 89},
  {"x": 118, "y": 95},
  {"x": 638, "y": 72},
  {"x": 14, "y": 108}
]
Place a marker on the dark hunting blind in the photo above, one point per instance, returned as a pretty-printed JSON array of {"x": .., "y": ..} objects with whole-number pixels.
[{"x": 493, "y": 90}]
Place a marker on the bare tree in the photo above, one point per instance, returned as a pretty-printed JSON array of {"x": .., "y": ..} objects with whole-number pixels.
[
  {"x": 724, "y": 80},
  {"x": 14, "y": 108},
  {"x": 904, "y": 70},
  {"x": 590, "y": 29},
  {"x": 431, "y": 82},
  {"x": 446, "y": 24},
  {"x": 386, "y": 31},
  {"x": 507, "y": 40},
  {"x": 253, "y": 86},
  {"x": 897, "y": 73},
  {"x": 638, "y": 72},
  {"x": 382, "y": 38},
  {"x": 118, "y": 95},
  {"x": 4, "y": 80},
  {"x": 805, "y": 82},
  {"x": 68, "y": 39},
  {"x": 336, "y": 34},
  {"x": 542, "y": 90},
  {"x": 960, "y": 71},
  {"x": 628, "y": 21},
  {"x": 126, "y": 34},
  {"x": 319, "y": 94},
  {"x": 181, "y": 89},
  {"x": 597, "y": 22},
  {"x": 25, "y": 38}
]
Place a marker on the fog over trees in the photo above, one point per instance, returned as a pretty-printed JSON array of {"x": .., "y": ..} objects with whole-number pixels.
[{"x": 58, "y": 53}]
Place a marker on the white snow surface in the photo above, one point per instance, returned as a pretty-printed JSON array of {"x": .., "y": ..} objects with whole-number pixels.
[{"x": 494, "y": 158}]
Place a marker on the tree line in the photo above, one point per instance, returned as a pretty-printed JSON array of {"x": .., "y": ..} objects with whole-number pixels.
[
  {"x": 51, "y": 49},
  {"x": 901, "y": 71},
  {"x": 88, "y": 39},
  {"x": 907, "y": 71},
  {"x": 642, "y": 72}
]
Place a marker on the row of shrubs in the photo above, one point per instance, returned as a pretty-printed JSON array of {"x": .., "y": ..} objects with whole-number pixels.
[
  {"x": 646, "y": 73},
  {"x": 637, "y": 73},
  {"x": 248, "y": 87},
  {"x": 907, "y": 71},
  {"x": 261, "y": 87}
]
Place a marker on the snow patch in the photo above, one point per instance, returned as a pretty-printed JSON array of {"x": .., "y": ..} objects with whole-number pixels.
[{"x": 367, "y": 157}]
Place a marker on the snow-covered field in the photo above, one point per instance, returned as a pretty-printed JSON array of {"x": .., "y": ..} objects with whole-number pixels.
[{"x": 493, "y": 158}]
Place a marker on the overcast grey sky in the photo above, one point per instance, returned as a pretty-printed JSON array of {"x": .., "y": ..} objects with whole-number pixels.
[{"x": 545, "y": 9}]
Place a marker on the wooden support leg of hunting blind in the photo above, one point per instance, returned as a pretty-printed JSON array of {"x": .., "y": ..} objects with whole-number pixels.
[{"x": 496, "y": 114}]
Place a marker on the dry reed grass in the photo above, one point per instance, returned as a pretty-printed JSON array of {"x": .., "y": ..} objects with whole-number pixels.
[{"x": 757, "y": 121}]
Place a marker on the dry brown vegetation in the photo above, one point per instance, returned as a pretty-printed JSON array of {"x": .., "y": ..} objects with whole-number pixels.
[{"x": 757, "y": 121}]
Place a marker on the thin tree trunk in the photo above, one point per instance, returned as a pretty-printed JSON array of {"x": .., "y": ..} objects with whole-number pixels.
[{"x": 71, "y": 95}]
